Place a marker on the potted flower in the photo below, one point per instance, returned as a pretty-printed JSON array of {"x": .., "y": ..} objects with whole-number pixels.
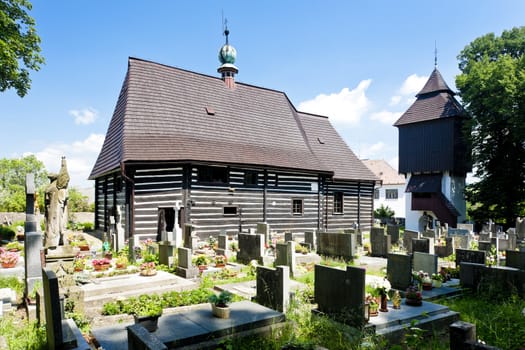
[
  {"x": 121, "y": 262},
  {"x": 426, "y": 282},
  {"x": 413, "y": 296},
  {"x": 147, "y": 314},
  {"x": 9, "y": 259},
  {"x": 220, "y": 260},
  {"x": 14, "y": 246},
  {"x": 220, "y": 304},
  {"x": 100, "y": 264},
  {"x": 202, "y": 262},
  {"x": 381, "y": 288},
  {"x": 148, "y": 269},
  {"x": 437, "y": 280},
  {"x": 79, "y": 262}
]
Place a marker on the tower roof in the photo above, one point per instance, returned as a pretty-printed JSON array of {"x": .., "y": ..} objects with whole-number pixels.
[{"x": 436, "y": 100}]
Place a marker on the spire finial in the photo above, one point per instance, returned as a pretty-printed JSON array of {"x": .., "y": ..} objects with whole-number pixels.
[
  {"x": 435, "y": 54},
  {"x": 226, "y": 31}
]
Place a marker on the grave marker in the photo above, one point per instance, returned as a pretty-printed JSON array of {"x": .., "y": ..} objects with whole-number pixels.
[
  {"x": 273, "y": 287},
  {"x": 337, "y": 245},
  {"x": 379, "y": 242},
  {"x": 185, "y": 268},
  {"x": 408, "y": 236},
  {"x": 470, "y": 256},
  {"x": 399, "y": 270},
  {"x": 393, "y": 232},
  {"x": 425, "y": 262},
  {"x": 251, "y": 247},
  {"x": 32, "y": 238},
  {"x": 341, "y": 293}
]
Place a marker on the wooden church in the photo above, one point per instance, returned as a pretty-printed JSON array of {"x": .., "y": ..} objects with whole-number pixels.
[
  {"x": 434, "y": 155},
  {"x": 184, "y": 147}
]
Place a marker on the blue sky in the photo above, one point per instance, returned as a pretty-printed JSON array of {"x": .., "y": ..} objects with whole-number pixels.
[{"x": 359, "y": 62}]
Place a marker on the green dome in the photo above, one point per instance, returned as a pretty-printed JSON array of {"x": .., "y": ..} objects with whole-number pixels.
[{"x": 227, "y": 54}]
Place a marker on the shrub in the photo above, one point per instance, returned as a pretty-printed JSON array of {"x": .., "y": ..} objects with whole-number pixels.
[{"x": 6, "y": 233}]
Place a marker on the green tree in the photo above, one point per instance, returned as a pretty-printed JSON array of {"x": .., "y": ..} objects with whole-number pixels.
[
  {"x": 384, "y": 213},
  {"x": 13, "y": 181},
  {"x": 492, "y": 87},
  {"x": 19, "y": 46},
  {"x": 77, "y": 202}
]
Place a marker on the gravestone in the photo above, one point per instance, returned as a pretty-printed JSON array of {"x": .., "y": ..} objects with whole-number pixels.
[
  {"x": 139, "y": 338},
  {"x": 515, "y": 259},
  {"x": 340, "y": 294},
  {"x": 61, "y": 334},
  {"x": 393, "y": 232},
  {"x": 428, "y": 234},
  {"x": 167, "y": 252},
  {"x": 185, "y": 268},
  {"x": 484, "y": 236},
  {"x": 288, "y": 236},
  {"x": 421, "y": 245},
  {"x": 408, "y": 236},
  {"x": 484, "y": 246},
  {"x": 119, "y": 241},
  {"x": 461, "y": 241},
  {"x": 251, "y": 247},
  {"x": 520, "y": 227},
  {"x": 190, "y": 240},
  {"x": 222, "y": 244},
  {"x": 379, "y": 242},
  {"x": 425, "y": 262},
  {"x": 505, "y": 242},
  {"x": 285, "y": 255},
  {"x": 470, "y": 256},
  {"x": 468, "y": 227},
  {"x": 443, "y": 251},
  {"x": 399, "y": 270},
  {"x": 273, "y": 287},
  {"x": 264, "y": 229},
  {"x": 309, "y": 238},
  {"x": 337, "y": 245},
  {"x": 32, "y": 239}
]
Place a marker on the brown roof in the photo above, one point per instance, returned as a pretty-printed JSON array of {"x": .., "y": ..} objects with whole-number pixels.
[
  {"x": 384, "y": 171},
  {"x": 168, "y": 114},
  {"x": 332, "y": 150},
  {"x": 434, "y": 101}
]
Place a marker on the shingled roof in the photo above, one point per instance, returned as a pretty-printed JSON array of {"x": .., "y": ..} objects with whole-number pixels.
[
  {"x": 328, "y": 145},
  {"x": 165, "y": 113},
  {"x": 436, "y": 100},
  {"x": 384, "y": 171}
]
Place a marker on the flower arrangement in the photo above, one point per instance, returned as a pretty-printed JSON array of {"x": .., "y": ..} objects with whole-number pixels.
[
  {"x": 147, "y": 267},
  {"x": 9, "y": 258},
  {"x": 222, "y": 300},
  {"x": 413, "y": 294},
  {"x": 98, "y": 262},
  {"x": 381, "y": 287},
  {"x": 14, "y": 246},
  {"x": 121, "y": 261},
  {"x": 417, "y": 276},
  {"x": 79, "y": 262},
  {"x": 438, "y": 277},
  {"x": 201, "y": 260},
  {"x": 220, "y": 260},
  {"x": 372, "y": 301}
]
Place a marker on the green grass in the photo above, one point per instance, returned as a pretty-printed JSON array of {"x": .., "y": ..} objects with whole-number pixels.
[{"x": 21, "y": 334}]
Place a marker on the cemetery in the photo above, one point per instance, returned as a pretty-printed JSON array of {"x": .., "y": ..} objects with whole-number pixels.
[{"x": 264, "y": 280}]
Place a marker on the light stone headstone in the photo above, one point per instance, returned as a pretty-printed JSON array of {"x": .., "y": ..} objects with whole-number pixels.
[
  {"x": 190, "y": 241},
  {"x": 408, "y": 236},
  {"x": 264, "y": 229},
  {"x": 167, "y": 251},
  {"x": 185, "y": 268},
  {"x": 425, "y": 262},
  {"x": 222, "y": 246},
  {"x": 520, "y": 227}
]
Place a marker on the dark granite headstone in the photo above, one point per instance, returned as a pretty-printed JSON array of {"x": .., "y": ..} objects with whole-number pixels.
[
  {"x": 425, "y": 262},
  {"x": 251, "y": 247},
  {"x": 309, "y": 237},
  {"x": 399, "y": 270},
  {"x": 470, "y": 256},
  {"x": 190, "y": 241},
  {"x": 443, "y": 251},
  {"x": 393, "y": 232},
  {"x": 273, "y": 287},
  {"x": 421, "y": 245},
  {"x": 340, "y": 293},
  {"x": 379, "y": 242},
  {"x": 288, "y": 236},
  {"x": 337, "y": 245},
  {"x": 515, "y": 259},
  {"x": 484, "y": 246}
]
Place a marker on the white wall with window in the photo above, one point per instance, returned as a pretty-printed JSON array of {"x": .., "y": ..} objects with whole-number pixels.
[{"x": 392, "y": 196}]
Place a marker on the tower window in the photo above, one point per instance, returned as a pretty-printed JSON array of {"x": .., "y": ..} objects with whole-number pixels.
[
  {"x": 250, "y": 178},
  {"x": 230, "y": 210}
]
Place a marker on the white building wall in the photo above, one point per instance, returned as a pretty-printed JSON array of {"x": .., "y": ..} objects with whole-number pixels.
[
  {"x": 397, "y": 205},
  {"x": 453, "y": 187}
]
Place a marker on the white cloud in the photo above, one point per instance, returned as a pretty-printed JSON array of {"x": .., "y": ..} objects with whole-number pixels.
[
  {"x": 413, "y": 84},
  {"x": 394, "y": 100},
  {"x": 347, "y": 106},
  {"x": 373, "y": 151},
  {"x": 85, "y": 116},
  {"x": 386, "y": 117},
  {"x": 80, "y": 156}
]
